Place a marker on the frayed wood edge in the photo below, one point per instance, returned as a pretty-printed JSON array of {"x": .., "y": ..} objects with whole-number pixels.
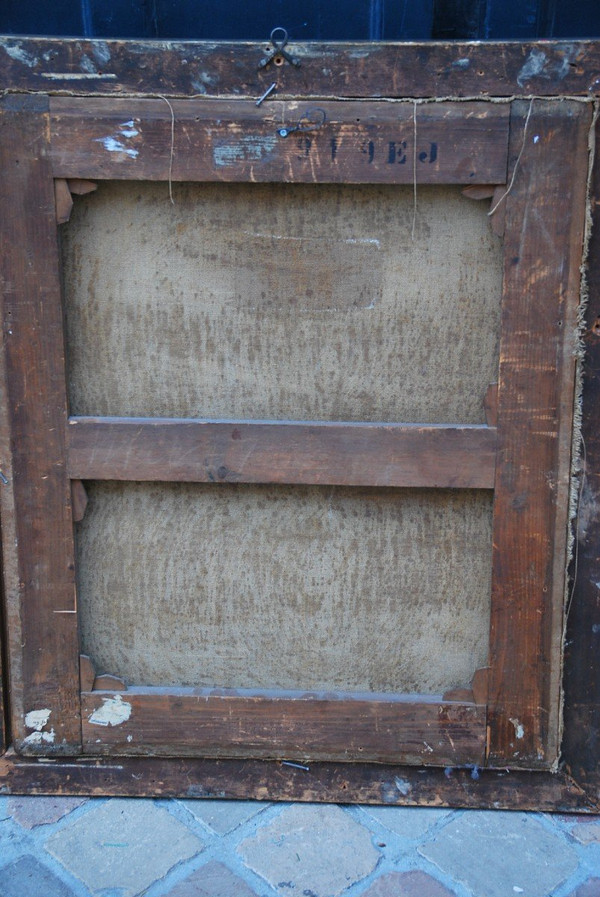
[{"x": 578, "y": 449}]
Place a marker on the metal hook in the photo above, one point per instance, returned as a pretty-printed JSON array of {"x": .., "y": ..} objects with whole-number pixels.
[
  {"x": 312, "y": 120},
  {"x": 279, "y": 54}
]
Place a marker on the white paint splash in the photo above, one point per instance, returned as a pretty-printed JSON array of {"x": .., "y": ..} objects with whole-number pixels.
[
  {"x": 250, "y": 148},
  {"x": 16, "y": 51},
  {"x": 114, "y": 712},
  {"x": 202, "y": 82},
  {"x": 115, "y": 146},
  {"x": 78, "y": 76},
  {"x": 519, "y": 730},
  {"x": 101, "y": 52},
  {"x": 39, "y": 738},
  {"x": 37, "y": 719},
  {"x": 403, "y": 786},
  {"x": 128, "y": 129},
  {"x": 87, "y": 65},
  {"x": 534, "y": 65},
  {"x": 365, "y": 241}
]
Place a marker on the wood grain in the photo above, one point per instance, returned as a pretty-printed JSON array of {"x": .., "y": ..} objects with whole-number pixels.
[
  {"x": 212, "y": 724},
  {"x": 581, "y": 741},
  {"x": 79, "y": 500},
  {"x": 79, "y": 187},
  {"x": 355, "y": 454},
  {"x": 535, "y": 402},
  {"x": 36, "y": 504},
  {"x": 63, "y": 199},
  {"x": 391, "y": 785},
  {"x": 87, "y": 673},
  {"x": 233, "y": 140},
  {"x": 4, "y": 727},
  {"x": 107, "y": 682},
  {"x": 431, "y": 69}
]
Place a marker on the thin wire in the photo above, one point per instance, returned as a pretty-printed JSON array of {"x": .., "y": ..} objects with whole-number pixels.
[
  {"x": 161, "y": 97},
  {"x": 414, "y": 221},
  {"x": 514, "y": 174}
]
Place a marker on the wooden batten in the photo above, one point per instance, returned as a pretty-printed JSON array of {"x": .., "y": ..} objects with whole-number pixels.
[
  {"x": 434, "y": 69},
  {"x": 424, "y": 729},
  {"x": 535, "y": 407},
  {"x": 233, "y": 140},
  {"x": 36, "y": 504},
  {"x": 449, "y": 457}
]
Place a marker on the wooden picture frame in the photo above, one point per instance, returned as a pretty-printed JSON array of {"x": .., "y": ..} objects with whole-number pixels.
[{"x": 485, "y": 118}]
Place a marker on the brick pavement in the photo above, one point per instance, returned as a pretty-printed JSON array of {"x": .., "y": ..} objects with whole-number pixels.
[{"x": 112, "y": 847}]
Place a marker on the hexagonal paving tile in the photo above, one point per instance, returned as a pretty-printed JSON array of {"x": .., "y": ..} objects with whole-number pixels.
[
  {"x": 224, "y": 815},
  {"x": 33, "y": 811},
  {"x": 407, "y": 884},
  {"x": 409, "y": 822},
  {"x": 212, "y": 880},
  {"x": 125, "y": 844},
  {"x": 295, "y": 851},
  {"x": 26, "y": 877},
  {"x": 495, "y": 854}
]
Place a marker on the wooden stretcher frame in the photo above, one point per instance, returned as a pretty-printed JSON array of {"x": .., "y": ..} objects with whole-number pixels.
[{"x": 412, "y": 114}]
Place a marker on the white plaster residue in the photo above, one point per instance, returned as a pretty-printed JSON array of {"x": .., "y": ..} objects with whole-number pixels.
[
  {"x": 368, "y": 241},
  {"x": 251, "y": 148},
  {"x": 462, "y": 63},
  {"x": 205, "y": 78},
  {"x": 536, "y": 139},
  {"x": 403, "y": 786},
  {"x": 101, "y": 51},
  {"x": 16, "y": 51},
  {"x": 37, "y": 719},
  {"x": 39, "y": 738},
  {"x": 128, "y": 129},
  {"x": 87, "y": 65},
  {"x": 519, "y": 730},
  {"x": 115, "y": 146},
  {"x": 203, "y": 82},
  {"x": 130, "y": 738},
  {"x": 78, "y": 76},
  {"x": 534, "y": 65},
  {"x": 569, "y": 53},
  {"x": 113, "y": 712}
]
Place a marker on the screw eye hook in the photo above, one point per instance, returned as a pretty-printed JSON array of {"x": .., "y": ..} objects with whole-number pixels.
[
  {"x": 278, "y": 43},
  {"x": 278, "y": 55},
  {"x": 312, "y": 120}
]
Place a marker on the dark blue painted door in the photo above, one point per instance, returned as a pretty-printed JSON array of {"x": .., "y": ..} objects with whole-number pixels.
[{"x": 304, "y": 19}]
